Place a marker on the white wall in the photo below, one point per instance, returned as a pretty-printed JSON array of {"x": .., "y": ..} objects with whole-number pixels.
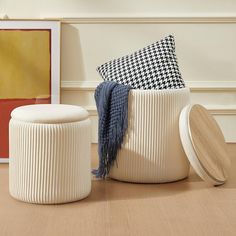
[
  {"x": 206, "y": 50},
  {"x": 29, "y": 8}
]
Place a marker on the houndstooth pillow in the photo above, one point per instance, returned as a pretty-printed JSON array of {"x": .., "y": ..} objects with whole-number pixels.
[{"x": 153, "y": 67}]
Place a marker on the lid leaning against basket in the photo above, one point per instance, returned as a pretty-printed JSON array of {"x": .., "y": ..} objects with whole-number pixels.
[{"x": 204, "y": 144}]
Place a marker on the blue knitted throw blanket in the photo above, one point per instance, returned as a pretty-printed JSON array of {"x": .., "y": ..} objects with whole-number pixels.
[{"x": 112, "y": 105}]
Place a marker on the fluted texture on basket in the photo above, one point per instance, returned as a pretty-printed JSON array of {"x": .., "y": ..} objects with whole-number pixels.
[
  {"x": 152, "y": 150},
  {"x": 49, "y": 163}
]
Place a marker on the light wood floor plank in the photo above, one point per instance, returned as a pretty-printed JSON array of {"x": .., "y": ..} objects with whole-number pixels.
[{"x": 188, "y": 207}]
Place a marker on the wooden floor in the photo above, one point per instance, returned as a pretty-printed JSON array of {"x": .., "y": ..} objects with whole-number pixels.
[{"x": 188, "y": 207}]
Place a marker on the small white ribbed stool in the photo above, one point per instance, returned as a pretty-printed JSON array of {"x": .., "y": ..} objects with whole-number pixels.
[
  {"x": 49, "y": 153},
  {"x": 152, "y": 151}
]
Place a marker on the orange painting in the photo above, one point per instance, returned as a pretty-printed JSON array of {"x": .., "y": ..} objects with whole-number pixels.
[{"x": 25, "y": 73}]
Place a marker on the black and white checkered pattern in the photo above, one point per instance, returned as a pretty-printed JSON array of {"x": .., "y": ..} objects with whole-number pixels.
[{"x": 153, "y": 67}]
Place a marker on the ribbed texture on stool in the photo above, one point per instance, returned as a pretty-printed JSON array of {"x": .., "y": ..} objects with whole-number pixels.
[
  {"x": 49, "y": 163},
  {"x": 152, "y": 150}
]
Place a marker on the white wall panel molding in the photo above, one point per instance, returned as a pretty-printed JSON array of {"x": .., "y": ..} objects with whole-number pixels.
[
  {"x": 194, "y": 85},
  {"x": 149, "y": 20},
  {"x": 79, "y": 85},
  {"x": 222, "y": 110},
  {"x": 207, "y": 61},
  {"x": 212, "y": 85},
  {"x": 136, "y": 19}
]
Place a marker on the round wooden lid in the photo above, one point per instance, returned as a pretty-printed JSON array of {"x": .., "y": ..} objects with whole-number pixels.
[{"x": 204, "y": 144}]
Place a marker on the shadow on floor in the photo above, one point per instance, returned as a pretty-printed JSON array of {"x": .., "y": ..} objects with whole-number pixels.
[{"x": 112, "y": 190}]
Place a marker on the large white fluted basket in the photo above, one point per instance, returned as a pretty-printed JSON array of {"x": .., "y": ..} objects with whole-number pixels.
[
  {"x": 152, "y": 150},
  {"x": 49, "y": 154}
]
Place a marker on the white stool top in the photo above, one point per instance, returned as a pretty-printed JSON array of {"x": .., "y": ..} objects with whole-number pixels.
[{"x": 49, "y": 113}]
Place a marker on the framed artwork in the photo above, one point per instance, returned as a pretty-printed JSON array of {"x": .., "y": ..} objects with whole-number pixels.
[{"x": 29, "y": 69}]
